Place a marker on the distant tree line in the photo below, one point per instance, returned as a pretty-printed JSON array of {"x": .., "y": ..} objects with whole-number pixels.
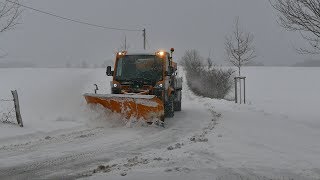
[{"x": 85, "y": 64}]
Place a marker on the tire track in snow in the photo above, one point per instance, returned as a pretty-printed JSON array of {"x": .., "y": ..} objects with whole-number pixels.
[
  {"x": 71, "y": 161},
  {"x": 50, "y": 139},
  {"x": 74, "y": 164}
]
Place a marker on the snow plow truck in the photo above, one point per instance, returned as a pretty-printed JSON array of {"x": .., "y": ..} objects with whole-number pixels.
[{"x": 144, "y": 86}]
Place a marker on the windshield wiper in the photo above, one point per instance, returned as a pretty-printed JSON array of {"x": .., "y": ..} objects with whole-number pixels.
[{"x": 145, "y": 80}]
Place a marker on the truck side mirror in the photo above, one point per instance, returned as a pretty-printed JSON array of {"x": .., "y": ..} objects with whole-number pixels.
[
  {"x": 170, "y": 71},
  {"x": 109, "y": 72}
]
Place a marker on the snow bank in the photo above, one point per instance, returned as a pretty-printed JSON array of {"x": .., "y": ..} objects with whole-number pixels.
[
  {"x": 287, "y": 91},
  {"x": 275, "y": 135},
  {"x": 50, "y": 99}
]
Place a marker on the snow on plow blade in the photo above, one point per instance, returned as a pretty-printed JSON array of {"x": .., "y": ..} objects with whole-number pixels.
[{"x": 146, "y": 107}]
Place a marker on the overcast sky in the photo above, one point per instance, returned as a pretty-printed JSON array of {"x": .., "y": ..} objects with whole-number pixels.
[{"x": 182, "y": 24}]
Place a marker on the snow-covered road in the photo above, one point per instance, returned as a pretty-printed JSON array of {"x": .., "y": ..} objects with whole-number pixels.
[
  {"x": 209, "y": 139},
  {"x": 95, "y": 138}
]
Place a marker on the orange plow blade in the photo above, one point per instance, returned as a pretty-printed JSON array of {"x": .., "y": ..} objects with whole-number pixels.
[{"x": 146, "y": 107}]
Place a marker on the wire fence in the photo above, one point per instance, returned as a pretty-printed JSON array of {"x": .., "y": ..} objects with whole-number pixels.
[
  {"x": 7, "y": 111},
  {"x": 10, "y": 110}
]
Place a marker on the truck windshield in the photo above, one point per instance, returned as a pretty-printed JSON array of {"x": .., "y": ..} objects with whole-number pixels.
[{"x": 148, "y": 68}]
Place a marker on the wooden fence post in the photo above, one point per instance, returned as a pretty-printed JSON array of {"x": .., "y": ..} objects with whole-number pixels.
[
  {"x": 244, "y": 89},
  {"x": 239, "y": 95},
  {"x": 17, "y": 107},
  {"x": 236, "y": 90}
]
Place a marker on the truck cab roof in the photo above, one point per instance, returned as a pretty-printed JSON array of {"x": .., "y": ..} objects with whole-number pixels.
[{"x": 141, "y": 52}]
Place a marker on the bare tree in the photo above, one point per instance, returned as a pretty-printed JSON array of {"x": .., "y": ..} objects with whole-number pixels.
[
  {"x": 209, "y": 60},
  {"x": 239, "y": 47},
  {"x": 10, "y": 13},
  {"x": 193, "y": 61},
  {"x": 125, "y": 46},
  {"x": 302, "y": 16}
]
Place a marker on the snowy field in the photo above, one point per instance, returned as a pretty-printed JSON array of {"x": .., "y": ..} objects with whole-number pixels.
[{"x": 276, "y": 135}]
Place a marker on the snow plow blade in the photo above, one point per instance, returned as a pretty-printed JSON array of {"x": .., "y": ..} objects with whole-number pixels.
[{"x": 146, "y": 107}]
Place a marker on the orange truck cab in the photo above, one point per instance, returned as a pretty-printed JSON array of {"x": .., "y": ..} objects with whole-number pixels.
[{"x": 145, "y": 74}]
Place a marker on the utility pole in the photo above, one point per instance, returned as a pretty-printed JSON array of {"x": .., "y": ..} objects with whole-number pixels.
[
  {"x": 125, "y": 42},
  {"x": 144, "y": 38}
]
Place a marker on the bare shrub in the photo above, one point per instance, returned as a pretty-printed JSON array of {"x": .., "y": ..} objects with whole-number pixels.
[
  {"x": 192, "y": 62},
  {"x": 215, "y": 82}
]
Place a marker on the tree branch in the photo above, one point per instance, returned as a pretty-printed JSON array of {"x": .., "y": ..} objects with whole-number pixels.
[
  {"x": 302, "y": 16},
  {"x": 9, "y": 15}
]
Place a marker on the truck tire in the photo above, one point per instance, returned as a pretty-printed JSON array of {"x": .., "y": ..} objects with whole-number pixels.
[
  {"x": 177, "y": 106},
  {"x": 169, "y": 107},
  {"x": 177, "y": 102}
]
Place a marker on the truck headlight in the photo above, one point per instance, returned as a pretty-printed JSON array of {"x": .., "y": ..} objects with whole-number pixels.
[
  {"x": 159, "y": 86},
  {"x": 115, "y": 85}
]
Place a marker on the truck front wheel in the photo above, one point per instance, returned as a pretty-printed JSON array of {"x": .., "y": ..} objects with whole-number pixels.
[
  {"x": 169, "y": 107},
  {"x": 177, "y": 101}
]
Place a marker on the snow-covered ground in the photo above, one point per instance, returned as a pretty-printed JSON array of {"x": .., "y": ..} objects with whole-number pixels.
[{"x": 276, "y": 135}]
